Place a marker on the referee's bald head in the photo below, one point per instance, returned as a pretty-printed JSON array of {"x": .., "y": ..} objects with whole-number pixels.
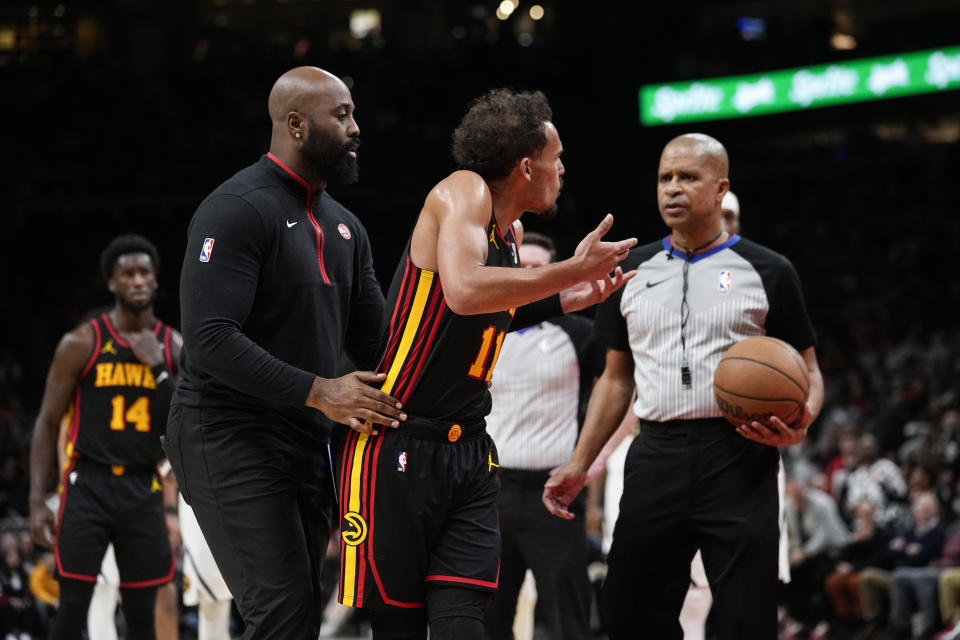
[{"x": 708, "y": 149}]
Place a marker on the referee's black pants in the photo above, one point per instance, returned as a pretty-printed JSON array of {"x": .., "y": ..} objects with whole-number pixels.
[
  {"x": 264, "y": 503},
  {"x": 694, "y": 484},
  {"x": 554, "y": 549}
]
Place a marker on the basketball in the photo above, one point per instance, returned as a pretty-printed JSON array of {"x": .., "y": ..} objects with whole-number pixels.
[{"x": 759, "y": 377}]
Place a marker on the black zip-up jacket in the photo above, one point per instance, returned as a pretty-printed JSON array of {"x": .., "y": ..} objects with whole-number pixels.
[{"x": 277, "y": 282}]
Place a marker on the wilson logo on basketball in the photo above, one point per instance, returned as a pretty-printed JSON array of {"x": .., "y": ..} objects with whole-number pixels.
[
  {"x": 353, "y": 528},
  {"x": 737, "y": 414},
  {"x": 344, "y": 231}
]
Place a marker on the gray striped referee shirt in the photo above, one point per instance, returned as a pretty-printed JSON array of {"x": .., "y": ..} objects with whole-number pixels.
[
  {"x": 540, "y": 390},
  {"x": 736, "y": 290}
]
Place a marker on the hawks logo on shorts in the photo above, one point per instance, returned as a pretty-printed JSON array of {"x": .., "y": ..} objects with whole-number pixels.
[{"x": 353, "y": 528}]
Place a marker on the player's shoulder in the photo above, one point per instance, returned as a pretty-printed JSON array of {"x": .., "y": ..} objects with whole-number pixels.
[
  {"x": 175, "y": 336},
  {"x": 176, "y": 345},
  {"x": 77, "y": 343},
  {"x": 460, "y": 193}
]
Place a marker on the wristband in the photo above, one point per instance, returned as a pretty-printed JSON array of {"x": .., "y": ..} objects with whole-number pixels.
[
  {"x": 173, "y": 511},
  {"x": 160, "y": 373}
]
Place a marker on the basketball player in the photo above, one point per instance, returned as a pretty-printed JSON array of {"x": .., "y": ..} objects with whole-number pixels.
[
  {"x": 117, "y": 370},
  {"x": 691, "y": 481},
  {"x": 418, "y": 504},
  {"x": 102, "y": 609}
]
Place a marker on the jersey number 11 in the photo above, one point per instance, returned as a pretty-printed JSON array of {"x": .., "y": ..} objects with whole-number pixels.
[{"x": 477, "y": 369}]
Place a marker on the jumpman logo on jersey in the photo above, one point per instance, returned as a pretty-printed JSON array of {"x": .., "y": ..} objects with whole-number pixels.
[
  {"x": 493, "y": 235},
  {"x": 490, "y": 463},
  {"x": 109, "y": 348}
]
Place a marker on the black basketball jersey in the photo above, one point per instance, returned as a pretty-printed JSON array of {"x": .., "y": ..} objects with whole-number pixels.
[
  {"x": 114, "y": 420},
  {"x": 438, "y": 363}
]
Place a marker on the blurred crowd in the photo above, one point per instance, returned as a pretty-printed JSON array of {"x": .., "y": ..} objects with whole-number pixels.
[
  {"x": 873, "y": 500},
  {"x": 28, "y": 587}
]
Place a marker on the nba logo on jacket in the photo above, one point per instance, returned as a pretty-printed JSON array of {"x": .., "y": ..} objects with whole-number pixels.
[{"x": 206, "y": 250}]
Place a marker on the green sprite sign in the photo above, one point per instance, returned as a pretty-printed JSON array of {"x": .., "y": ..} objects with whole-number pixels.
[{"x": 804, "y": 88}]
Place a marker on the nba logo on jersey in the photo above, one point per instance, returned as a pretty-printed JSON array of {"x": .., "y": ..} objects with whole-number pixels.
[
  {"x": 725, "y": 277},
  {"x": 402, "y": 461},
  {"x": 206, "y": 250}
]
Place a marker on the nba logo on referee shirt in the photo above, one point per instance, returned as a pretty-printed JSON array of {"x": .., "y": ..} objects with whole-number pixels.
[
  {"x": 725, "y": 277},
  {"x": 206, "y": 250},
  {"x": 402, "y": 461}
]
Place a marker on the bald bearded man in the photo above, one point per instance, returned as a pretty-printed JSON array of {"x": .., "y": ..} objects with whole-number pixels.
[
  {"x": 691, "y": 479},
  {"x": 274, "y": 267}
]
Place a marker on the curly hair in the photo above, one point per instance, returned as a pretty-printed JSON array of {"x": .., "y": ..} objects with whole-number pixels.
[
  {"x": 501, "y": 127},
  {"x": 123, "y": 245}
]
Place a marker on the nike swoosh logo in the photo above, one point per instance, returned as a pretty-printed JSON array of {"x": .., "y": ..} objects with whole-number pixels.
[
  {"x": 290, "y": 224},
  {"x": 653, "y": 284}
]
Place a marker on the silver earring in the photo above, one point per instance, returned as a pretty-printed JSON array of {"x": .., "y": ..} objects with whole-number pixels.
[{"x": 297, "y": 134}]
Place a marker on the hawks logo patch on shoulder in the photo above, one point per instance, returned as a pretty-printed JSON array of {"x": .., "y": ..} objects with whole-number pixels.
[
  {"x": 353, "y": 528},
  {"x": 344, "y": 231}
]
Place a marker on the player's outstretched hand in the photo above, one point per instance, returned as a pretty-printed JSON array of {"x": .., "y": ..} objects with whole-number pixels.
[
  {"x": 591, "y": 292},
  {"x": 598, "y": 258},
  {"x": 42, "y": 525},
  {"x": 145, "y": 346},
  {"x": 562, "y": 487},
  {"x": 775, "y": 432},
  {"x": 351, "y": 400}
]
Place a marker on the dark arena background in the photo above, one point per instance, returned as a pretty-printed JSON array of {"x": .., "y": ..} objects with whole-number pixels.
[{"x": 121, "y": 115}]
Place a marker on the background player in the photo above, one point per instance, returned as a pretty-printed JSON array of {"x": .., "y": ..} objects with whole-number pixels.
[
  {"x": 117, "y": 371},
  {"x": 418, "y": 504}
]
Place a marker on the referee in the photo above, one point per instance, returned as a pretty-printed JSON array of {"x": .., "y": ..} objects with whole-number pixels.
[
  {"x": 540, "y": 392},
  {"x": 691, "y": 479}
]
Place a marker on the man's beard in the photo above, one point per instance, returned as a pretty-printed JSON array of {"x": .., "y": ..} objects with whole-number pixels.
[
  {"x": 136, "y": 307},
  {"x": 330, "y": 160},
  {"x": 550, "y": 213}
]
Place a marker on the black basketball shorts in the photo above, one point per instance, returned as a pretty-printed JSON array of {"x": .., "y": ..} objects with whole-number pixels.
[
  {"x": 98, "y": 507},
  {"x": 418, "y": 507}
]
